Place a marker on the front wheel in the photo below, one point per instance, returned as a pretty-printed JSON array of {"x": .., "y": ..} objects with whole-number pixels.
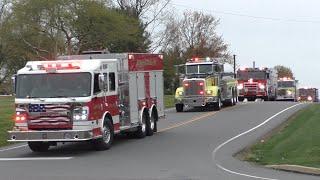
[
  {"x": 106, "y": 141},
  {"x": 38, "y": 146},
  {"x": 217, "y": 105}
]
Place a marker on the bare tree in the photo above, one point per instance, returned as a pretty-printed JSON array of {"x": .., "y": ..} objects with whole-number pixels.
[
  {"x": 153, "y": 15},
  {"x": 195, "y": 34}
]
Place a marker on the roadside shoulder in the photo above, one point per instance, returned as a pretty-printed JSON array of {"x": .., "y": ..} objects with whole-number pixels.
[{"x": 296, "y": 169}]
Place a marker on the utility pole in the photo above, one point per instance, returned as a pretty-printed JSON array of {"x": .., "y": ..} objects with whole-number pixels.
[{"x": 234, "y": 66}]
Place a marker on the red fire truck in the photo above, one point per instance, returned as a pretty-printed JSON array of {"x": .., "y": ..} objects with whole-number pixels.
[
  {"x": 256, "y": 83},
  {"x": 308, "y": 95},
  {"x": 88, "y": 97}
]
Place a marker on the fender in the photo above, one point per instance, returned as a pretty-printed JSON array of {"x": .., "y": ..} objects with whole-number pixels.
[
  {"x": 141, "y": 113},
  {"x": 151, "y": 110},
  {"x": 104, "y": 117}
]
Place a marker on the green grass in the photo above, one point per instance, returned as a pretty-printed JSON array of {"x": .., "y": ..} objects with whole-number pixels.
[
  {"x": 169, "y": 101},
  {"x": 6, "y": 122},
  {"x": 298, "y": 143}
]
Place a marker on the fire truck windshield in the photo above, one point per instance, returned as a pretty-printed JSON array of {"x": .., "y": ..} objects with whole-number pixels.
[
  {"x": 246, "y": 75},
  {"x": 285, "y": 84},
  {"x": 53, "y": 85},
  {"x": 199, "y": 69}
]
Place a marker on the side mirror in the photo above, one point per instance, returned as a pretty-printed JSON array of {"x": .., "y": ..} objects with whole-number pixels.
[
  {"x": 101, "y": 82},
  {"x": 14, "y": 83},
  {"x": 268, "y": 75}
]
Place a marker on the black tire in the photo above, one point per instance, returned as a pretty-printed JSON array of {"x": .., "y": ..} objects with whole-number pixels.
[
  {"x": 142, "y": 129},
  {"x": 240, "y": 99},
  {"x": 230, "y": 102},
  {"x": 151, "y": 124},
  {"x": 39, "y": 146},
  {"x": 179, "y": 107},
  {"x": 217, "y": 105},
  {"x": 106, "y": 141},
  {"x": 235, "y": 98}
]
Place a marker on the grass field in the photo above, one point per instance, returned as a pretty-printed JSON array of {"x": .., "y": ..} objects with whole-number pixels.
[
  {"x": 6, "y": 122},
  {"x": 297, "y": 143},
  {"x": 169, "y": 101}
]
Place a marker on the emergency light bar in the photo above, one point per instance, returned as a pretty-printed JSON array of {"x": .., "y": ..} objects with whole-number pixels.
[
  {"x": 197, "y": 59},
  {"x": 285, "y": 79},
  {"x": 53, "y": 66},
  {"x": 253, "y": 69}
]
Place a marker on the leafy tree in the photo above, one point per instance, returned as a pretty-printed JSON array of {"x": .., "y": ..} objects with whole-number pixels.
[
  {"x": 284, "y": 71},
  {"x": 44, "y": 29}
]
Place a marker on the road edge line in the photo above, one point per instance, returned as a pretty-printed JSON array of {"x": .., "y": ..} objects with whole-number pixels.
[{"x": 11, "y": 148}]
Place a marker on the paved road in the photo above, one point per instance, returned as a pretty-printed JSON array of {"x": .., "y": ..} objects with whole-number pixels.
[{"x": 190, "y": 145}]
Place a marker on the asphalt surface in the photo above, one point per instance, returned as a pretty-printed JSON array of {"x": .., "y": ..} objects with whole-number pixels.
[{"x": 190, "y": 145}]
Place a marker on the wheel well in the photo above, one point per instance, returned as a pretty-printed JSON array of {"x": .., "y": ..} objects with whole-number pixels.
[
  {"x": 146, "y": 111},
  {"x": 155, "y": 112},
  {"x": 109, "y": 117}
]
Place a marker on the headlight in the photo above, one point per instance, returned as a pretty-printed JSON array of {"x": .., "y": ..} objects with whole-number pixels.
[
  {"x": 261, "y": 86},
  {"x": 309, "y": 98},
  {"x": 209, "y": 92},
  {"x": 289, "y": 93},
  {"x": 81, "y": 114},
  {"x": 240, "y": 86},
  {"x": 180, "y": 93}
]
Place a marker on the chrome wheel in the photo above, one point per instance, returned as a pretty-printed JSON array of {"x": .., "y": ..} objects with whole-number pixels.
[
  {"x": 152, "y": 123},
  {"x": 143, "y": 127},
  {"x": 106, "y": 134}
]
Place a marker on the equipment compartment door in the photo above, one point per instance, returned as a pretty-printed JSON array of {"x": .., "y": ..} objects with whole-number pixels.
[
  {"x": 159, "y": 93},
  {"x": 133, "y": 94}
]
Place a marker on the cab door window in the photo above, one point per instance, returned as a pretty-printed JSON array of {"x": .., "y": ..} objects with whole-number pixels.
[
  {"x": 112, "y": 81},
  {"x": 106, "y": 85}
]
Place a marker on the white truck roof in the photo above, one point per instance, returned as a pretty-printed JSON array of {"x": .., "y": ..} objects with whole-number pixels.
[{"x": 64, "y": 66}]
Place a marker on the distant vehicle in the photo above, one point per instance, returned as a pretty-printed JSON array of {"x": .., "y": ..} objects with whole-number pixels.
[
  {"x": 88, "y": 97},
  {"x": 308, "y": 95},
  {"x": 206, "y": 84},
  {"x": 287, "y": 89},
  {"x": 254, "y": 83}
]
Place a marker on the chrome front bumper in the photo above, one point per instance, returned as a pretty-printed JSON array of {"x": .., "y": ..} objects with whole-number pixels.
[
  {"x": 197, "y": 101},
  {"x": 285, "y": 97},
  {"x": 47, "y": 136}
]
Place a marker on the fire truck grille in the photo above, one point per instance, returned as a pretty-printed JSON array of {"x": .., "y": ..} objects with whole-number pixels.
[
  {"x": 49, "y": 116},
  {"x": 251, "y": 87},
  {"x": 193, "y": 87},
  {"x": 282, "y": 92}
]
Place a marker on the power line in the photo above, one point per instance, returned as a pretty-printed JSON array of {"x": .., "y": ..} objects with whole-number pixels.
[{"x": 247, "y": 15}]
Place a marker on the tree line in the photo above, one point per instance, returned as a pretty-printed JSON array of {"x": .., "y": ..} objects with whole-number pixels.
[{"x": 44, "y": 29}]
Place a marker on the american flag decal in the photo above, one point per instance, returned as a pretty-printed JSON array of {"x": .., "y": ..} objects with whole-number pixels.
[
  {"x": 49, "y": 116},
  {"x": 37, "y": 108}
]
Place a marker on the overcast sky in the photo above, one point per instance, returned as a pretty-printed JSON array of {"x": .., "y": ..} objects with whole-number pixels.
[{"x": 291, "y": 38}]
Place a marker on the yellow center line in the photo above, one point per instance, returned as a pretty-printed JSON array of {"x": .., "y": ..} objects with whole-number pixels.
[{"x": 195, "y": 119}]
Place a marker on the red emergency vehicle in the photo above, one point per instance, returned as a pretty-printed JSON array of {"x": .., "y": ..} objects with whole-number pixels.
[
  {"x": 256, "y": 83},
  {"x": 88, "y": 97}
]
